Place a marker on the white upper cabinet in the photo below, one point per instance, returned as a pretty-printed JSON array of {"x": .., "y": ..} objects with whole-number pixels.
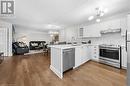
[
  {"x": 123, "y": 25},
  {"x": 111, "y": 24},
  {"x": 92, "y": 31},
  {"x": 114, "y": 24}
]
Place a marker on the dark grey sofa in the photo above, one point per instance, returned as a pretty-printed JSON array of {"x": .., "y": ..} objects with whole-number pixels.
[{"x": 20, "y": 48}]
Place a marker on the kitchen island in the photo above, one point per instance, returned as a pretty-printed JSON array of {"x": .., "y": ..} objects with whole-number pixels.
[{"x": 65, "y": 57}]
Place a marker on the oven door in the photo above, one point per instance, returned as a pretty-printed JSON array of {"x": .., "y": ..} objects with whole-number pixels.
[{"x": 110, "y": 54}]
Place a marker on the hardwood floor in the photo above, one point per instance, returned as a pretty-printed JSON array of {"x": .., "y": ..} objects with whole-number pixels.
[{"x": 33, "y": 70}]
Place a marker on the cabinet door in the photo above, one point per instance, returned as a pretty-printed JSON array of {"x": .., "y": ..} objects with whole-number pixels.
[
  {"x": 88, "y": 53},
  {"x": 78, "y": 56},
  {"x": 123, "y": 26},
  {"x": 124, "y": 57},
  {"x": 84, "y": 54},
  {"x": 115, "y": 24},
  {"x": 92, "y": 31},
  {"x": 87, "y": 32},
  {"x": 111, "y": 24}
]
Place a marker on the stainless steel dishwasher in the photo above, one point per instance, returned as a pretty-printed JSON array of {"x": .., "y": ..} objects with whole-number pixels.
[{"x": 68, "y": 59}]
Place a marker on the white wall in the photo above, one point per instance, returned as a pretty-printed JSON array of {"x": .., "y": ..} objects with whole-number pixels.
[{"x": 26, "y": 35}]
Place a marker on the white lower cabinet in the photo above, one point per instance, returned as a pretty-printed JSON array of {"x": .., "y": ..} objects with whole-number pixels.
[
  {"x": 81, "y": 55},
  {"x": 94, "y": 51},
  {"x": 84, "y": 54},
  {"x": 88, "y": 53},
  {"x": 78, "y": 54},
  {"x": 124, "y": 57}
]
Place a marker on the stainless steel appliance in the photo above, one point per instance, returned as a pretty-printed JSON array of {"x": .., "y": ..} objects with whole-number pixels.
[
  {"x": 128, "y": 56},
  {"x": 68, "y": 59},
  {"x": 110, "y": 54}
]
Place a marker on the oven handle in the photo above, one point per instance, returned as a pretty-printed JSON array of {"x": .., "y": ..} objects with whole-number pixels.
[{"x": 109, "y": 49}]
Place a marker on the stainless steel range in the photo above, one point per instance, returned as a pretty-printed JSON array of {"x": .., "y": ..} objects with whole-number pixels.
[{"x": 110, "y": 54}]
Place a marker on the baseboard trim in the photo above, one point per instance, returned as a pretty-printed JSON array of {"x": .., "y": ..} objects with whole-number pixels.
[
  {"x": 96, "y": 60},
  {"x": 124, "y": 68}
]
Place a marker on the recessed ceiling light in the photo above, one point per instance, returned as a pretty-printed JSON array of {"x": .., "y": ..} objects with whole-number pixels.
[
  {"x": 53, "y": 32},
  {"x": 51, "y": 26},
  {"x": 91, "y": 18},
  {"x": 98, "y": 20},
  {"x": 51, "y": 35}
]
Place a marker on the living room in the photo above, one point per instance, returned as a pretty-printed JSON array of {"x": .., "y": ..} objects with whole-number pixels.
[{"x": 28, "y": 36}]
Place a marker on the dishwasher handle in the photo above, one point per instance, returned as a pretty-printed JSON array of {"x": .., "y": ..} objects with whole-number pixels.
[{"x": 67, "y": 50}]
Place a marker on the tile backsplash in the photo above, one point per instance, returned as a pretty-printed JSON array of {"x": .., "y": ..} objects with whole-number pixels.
[{"x": 110, "y": 38}]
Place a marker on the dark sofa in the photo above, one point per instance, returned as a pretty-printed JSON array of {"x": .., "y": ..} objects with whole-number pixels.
[
  {"x": 20, "y": 48},
  {"x": 36, "y": 45}
]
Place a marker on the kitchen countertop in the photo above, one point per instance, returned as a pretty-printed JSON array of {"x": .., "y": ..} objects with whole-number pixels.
[
  {"x": 69, "y": 46},
  {"x": 65, "y": 46}
]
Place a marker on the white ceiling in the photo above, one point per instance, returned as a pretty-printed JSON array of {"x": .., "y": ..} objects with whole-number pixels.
[{"x": 39, "y": 13}]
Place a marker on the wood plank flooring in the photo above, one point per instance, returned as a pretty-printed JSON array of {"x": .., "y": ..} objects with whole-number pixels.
[{"x": 33, "y": 70}]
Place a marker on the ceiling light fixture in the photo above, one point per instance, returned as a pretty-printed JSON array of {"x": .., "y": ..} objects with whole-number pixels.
[
  {"x": 100, "y": 11},
  {"x": 53, "y": 32}
]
